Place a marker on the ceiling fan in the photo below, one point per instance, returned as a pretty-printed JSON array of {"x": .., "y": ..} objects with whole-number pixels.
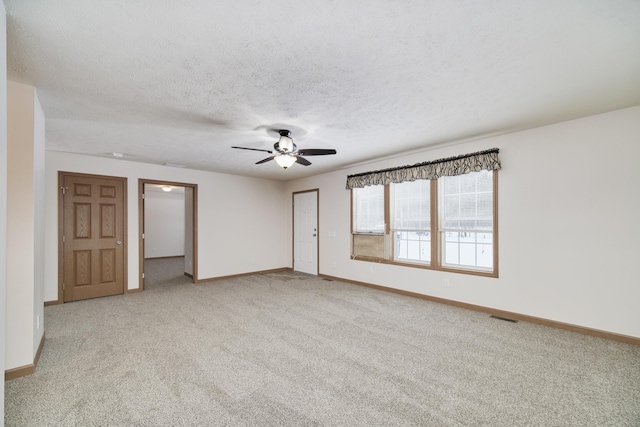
[{"x": 288, "y": 153}]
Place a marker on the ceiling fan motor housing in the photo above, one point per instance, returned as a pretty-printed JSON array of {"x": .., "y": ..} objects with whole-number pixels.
[{"x": 285, "y": 143}]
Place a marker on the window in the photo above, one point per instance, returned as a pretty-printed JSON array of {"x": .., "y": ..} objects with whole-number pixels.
[
  {"x": 466, "y": 220},
  {"x": 448, "y": 223},
  {"x": 411, "y": 221},
  {"x": 369, "y": 225}
]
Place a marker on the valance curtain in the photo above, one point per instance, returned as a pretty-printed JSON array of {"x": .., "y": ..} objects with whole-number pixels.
[{"x": 459, "y": 165}]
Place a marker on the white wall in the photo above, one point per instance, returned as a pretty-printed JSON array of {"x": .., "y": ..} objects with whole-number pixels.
[
  {"x": 39, "y": 214},
  {"x": 3, "y": 190},
  {"x": 25, "y": 153},
  {"x": 164, "y": 223},
  {"x": 240, "y": 221},
  {"x": 569, "y": 228}
]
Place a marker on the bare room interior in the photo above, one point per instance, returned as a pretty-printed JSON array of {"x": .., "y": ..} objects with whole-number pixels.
[{"x": 327, "y": 213}]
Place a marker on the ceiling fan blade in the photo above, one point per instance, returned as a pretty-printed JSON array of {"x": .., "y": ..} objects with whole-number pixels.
[
  {"x": 315, "y": 152},
  {"x": 253, "y": 149},
  {"x": 302, "y": 161},
  {"x": 265, "y": 160}
]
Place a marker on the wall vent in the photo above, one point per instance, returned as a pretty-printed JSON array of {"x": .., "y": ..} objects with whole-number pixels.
[{"x": 503, "y": 318}]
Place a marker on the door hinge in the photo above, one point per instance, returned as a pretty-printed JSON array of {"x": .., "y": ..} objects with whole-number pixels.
[
  {"x": 63, "y": 189},
  {"x": 62, "y": 238},
  {"x": 143, "y": 275},
  {"x": 63, "y": 286},
  {"x": 142, "y": 236},
  {"x": 143, "y": 196}
]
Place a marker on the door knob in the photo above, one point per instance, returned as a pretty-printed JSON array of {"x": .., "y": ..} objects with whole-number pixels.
[{"x": 119, "y": 242}]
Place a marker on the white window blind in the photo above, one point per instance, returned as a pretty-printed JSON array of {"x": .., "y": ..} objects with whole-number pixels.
[{"x": 368, "y": 215}]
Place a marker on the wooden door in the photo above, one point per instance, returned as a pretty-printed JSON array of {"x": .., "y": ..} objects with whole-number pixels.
[
  {"x": 305, "y": 232},
  {"x": 93, "y": 236}
]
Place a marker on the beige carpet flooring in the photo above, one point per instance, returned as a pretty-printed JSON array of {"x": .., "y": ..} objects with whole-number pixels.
[{"x": 289, "y": 349}]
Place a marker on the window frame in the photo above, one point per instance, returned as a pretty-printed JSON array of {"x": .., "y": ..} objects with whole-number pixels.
[
  {"x": 385, "y": 229},
  {"x": 436, "y": 262}
]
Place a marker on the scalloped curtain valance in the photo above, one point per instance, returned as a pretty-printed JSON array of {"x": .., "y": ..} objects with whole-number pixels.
[{"x": 451, "y": 166}]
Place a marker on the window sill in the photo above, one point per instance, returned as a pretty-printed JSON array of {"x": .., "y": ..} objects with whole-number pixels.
[{"x": 493, "y": 274}]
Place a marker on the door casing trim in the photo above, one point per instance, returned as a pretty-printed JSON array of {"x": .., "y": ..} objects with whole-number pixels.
[
  {"x": 293, "y": 228},
  {"x": 141, "y": 183}
]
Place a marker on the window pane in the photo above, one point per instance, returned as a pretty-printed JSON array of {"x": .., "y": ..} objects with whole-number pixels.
[
  {"x": 485, "y": 182},
  {"x": 412, "y": 246},
  {"x": 485, "y": 205},
  {"x": 485, "y": 255},
  {"x": 451, "y": 248},
  {"x": 468, "y": 204},
  {"x": 467, "y": 184},
  {"x": 467, "y": 254},
  {"x": 368, "y": 214},
  {"x": 452, "y": 210},
  {"x": 451, "y": 184},
  {"x": 411, "y": 220},
  {"x": 466, "y": 220}
]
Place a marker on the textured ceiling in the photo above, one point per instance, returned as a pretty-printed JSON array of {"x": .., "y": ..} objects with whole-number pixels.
[{"x": 183, "y": 81}]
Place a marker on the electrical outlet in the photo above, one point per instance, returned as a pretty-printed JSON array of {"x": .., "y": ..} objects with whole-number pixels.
[{"x": 446, "y": 283}]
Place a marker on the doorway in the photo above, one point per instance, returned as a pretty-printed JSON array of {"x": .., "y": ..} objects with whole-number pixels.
[
  {"x": 167, "y": 230},
  {"x": 93, "y": 230},
  {"x": 305, "y": 231}
]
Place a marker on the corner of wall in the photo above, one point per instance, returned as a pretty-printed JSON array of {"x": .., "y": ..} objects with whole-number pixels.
[
  {"x": 39, "y": 222},
  {"x": 3, "y": 188},
  {"x": 25, "y": 226}
]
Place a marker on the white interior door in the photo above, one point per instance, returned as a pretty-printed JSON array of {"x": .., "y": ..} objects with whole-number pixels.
[{"x": 305, "y": 232}]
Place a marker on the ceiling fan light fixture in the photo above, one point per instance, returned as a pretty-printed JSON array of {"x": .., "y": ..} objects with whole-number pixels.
[{"x": 285, "y": 160}]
